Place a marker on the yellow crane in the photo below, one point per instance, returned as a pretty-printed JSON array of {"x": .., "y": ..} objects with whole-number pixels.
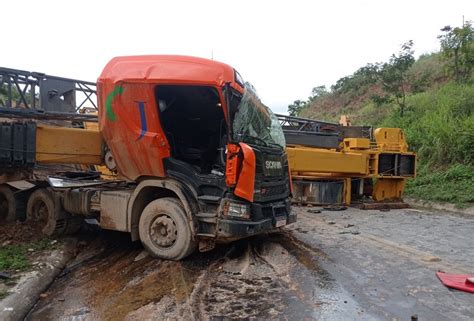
[{"x": 335, "y": 164}]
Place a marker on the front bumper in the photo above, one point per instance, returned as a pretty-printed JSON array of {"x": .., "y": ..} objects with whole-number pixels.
[{"x": 229, "y": 229}]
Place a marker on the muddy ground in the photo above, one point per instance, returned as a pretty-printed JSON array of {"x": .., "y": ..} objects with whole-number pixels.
[{"x": 333, "y": 265}]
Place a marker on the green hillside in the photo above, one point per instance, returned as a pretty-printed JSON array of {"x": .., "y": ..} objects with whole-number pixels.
[{"x": 431, "y": 98}]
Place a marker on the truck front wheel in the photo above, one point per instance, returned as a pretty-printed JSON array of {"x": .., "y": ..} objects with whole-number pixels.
[{"x": 165, "y": 231}]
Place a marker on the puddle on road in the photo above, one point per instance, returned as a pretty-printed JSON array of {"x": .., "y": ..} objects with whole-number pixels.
[{"x": 267, "y": 276}]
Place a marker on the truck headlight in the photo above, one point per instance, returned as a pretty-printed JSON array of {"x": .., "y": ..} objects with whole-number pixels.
[{"x": 235, "y": 209}]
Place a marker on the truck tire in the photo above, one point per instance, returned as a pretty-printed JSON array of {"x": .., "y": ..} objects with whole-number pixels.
[
  {"x": 44, "y": 211},
  {"x": 165, "y": 231},
  {"x": 7, "y": 204}
]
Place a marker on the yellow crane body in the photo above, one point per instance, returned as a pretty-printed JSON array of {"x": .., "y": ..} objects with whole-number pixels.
[
  {"x": 63, "y": 145},
  {"x": 384, "y": 162},
  {"x": 307, "y": 161}
]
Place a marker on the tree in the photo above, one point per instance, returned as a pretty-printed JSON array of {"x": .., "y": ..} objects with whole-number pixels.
[
  {"x": 295, "y": 108},
  {"x": 457, "y": 46},
  {"x": 317, "y": 92},
  {"x": 393, "y": 74},
  {"x": 361, "y": 79}
]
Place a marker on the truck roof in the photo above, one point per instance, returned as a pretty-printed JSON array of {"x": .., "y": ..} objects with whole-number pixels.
[{"x": 167, "y": 68}]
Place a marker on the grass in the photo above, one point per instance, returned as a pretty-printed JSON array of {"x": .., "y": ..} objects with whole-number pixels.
[
  {"x": 439, "y": 125},
  {"x": 15, "y": 257},
  {"x": 455, "y": 184}
]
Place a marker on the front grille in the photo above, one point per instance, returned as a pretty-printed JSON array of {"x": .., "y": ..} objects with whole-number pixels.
[
  {"x": 271, "y": 211},
  {"x": 270, "y": 187},
  {"x": 273, "y": 190},
  {"x": 267, "y": 212}
]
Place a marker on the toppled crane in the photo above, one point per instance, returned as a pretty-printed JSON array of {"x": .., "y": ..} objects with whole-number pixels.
[{"x": 335, "y": 164}]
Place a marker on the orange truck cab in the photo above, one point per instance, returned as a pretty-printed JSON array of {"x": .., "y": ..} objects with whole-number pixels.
[{"x": 203, "y": 159}]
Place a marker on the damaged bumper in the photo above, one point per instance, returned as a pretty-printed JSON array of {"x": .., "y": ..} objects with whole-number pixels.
[{"x": 265, "y": 218}]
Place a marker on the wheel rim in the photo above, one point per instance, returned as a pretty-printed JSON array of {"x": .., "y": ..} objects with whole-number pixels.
[{"x": 163, "y": 231}]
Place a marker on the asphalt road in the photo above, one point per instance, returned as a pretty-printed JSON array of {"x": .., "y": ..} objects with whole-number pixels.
[
  {"x": 388, "y": 260},
  {"x": 333, "y": 265}
]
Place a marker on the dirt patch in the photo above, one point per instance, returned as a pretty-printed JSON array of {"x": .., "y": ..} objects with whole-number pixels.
[
  {"x": 23, "y": 248},
  {"x": 111, "y": 283},
  {"x": 251, "y": 279},
  {"x": 19, "y": 233}
]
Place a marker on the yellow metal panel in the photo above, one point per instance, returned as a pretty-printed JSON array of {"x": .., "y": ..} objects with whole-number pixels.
[
  {"x": 61, "y": 145},
  {"x": 390, "y": 139},
  {"x": 356, "y": 143},
  {"x": 91, "y": 125},
  {"x": 388, "y": 189},
  {"x": 304, "y": 159}
]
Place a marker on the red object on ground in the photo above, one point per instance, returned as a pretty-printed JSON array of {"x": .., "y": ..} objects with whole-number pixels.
[{"x": 457, "y": 281}]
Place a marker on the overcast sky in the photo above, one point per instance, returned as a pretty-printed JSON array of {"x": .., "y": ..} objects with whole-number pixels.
[{"x": 284, "y": 48}]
